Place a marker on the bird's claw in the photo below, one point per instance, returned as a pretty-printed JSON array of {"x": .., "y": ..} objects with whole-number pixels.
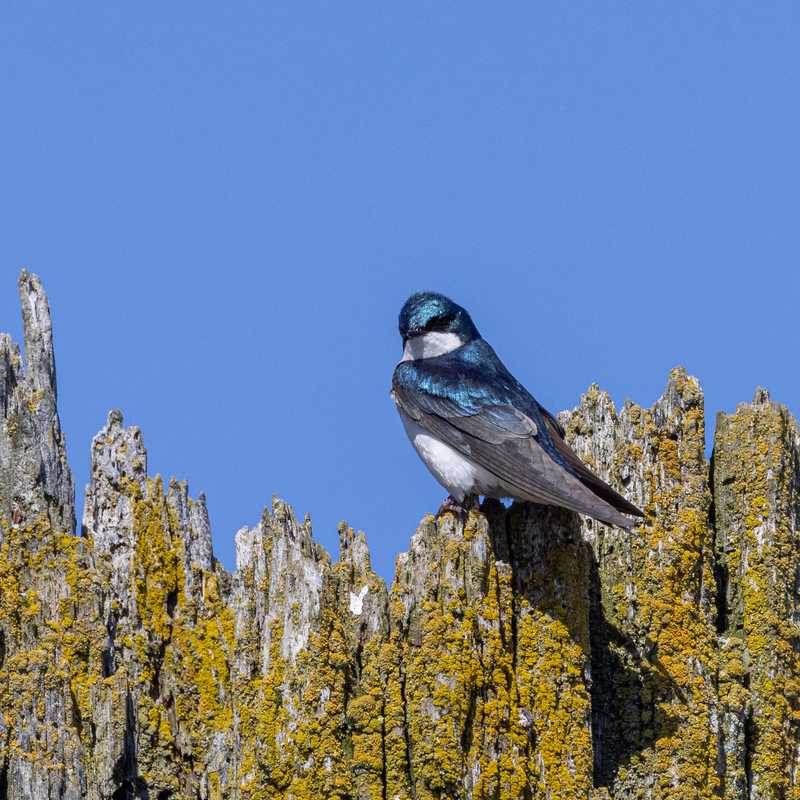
[{"x": 460, "y": 509}]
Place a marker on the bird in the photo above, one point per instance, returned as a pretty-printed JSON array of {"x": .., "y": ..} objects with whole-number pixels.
[{"x": 478, "y": 430}]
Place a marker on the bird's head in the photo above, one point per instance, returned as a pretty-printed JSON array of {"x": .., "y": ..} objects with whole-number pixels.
[{"x": 432, "y": 324}]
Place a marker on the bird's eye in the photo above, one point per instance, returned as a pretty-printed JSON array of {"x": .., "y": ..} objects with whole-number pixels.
[{"x": 439, "y": 323}]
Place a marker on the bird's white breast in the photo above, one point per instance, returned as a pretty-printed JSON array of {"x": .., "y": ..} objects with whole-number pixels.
[{"x": 455, "y": 472}]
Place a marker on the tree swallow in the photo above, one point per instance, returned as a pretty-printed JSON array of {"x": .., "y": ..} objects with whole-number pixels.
[{"x": 478, "y": 430}]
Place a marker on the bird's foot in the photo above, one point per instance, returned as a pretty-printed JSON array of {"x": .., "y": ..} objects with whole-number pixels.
[{"x": 460, "y": 508}]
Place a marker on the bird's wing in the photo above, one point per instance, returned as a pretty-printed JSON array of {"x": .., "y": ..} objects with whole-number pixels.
[
  {"x": 516, "y": 460},
  {"x": 581, "y": 471},
  {"x": 484, "y": 422}
]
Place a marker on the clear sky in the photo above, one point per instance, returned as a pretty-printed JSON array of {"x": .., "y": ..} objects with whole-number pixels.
[{"x": 229, "y": 202}]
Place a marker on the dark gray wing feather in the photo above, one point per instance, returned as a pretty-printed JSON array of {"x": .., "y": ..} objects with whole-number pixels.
[
  {"x": 500, "y": 439},
  {"x": 582, "y": 472},
  {"x": 505, "y": 440}
]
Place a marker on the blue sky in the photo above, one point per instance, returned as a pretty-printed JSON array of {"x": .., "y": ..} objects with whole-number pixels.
[{"x": 228, "y": 203}]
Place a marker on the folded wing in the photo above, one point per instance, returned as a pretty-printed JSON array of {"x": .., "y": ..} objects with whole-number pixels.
[
  {"x": 582, "y": 472},
  {"x": 507, "y": 433}
]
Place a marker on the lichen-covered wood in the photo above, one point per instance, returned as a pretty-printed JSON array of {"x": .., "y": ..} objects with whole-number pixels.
[
  {"x": 654, "y": 643},
  {"x": 757, "y": 505},
  {"x": 519, "y": 653}
]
